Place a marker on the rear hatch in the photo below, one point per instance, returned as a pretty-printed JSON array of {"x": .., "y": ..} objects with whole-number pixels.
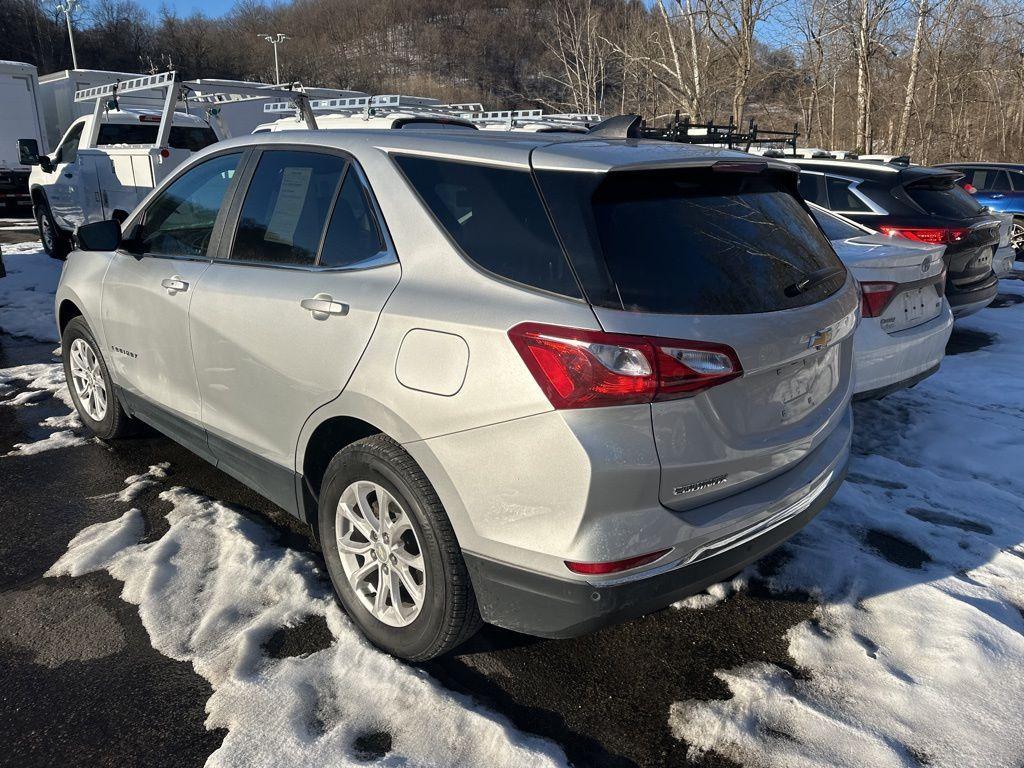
[
  {"x": 713, "y": 254},
  {"x": 970, "y": 234}
]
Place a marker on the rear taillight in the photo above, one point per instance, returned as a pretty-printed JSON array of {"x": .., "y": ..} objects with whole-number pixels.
[
  {"x": 875, "y": 297},
  {"x": 614, "y": 566},
  {"x": 970, "y": 189},
  {"x": 933, "y": 235},
  {"x": 585, "y": 369}
]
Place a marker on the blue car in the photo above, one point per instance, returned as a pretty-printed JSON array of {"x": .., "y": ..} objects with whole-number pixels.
[{"x": 1000, "y": 186}]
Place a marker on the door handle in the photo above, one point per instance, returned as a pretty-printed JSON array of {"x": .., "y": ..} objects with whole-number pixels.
[
  {"x": 69, "y": 175},
  {"x": 323, "y": 306},
  {"x": 174, "y": 284}
]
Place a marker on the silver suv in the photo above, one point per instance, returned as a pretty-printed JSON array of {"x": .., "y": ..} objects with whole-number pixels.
[{"x": 547, "y": 383}]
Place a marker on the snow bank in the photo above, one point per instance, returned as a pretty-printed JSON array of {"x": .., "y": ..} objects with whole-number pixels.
[
  {"x": 42, "y": 380},
  {"x": 26, "y": 294},
  {"x": 916, "y": 654},
  {"x": 214, "y": 588}
]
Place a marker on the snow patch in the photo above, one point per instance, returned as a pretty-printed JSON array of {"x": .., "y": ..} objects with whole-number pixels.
[
  {"x": 136, "y": 485},
  {"x": 916, "y": 653},
  {"x": 43, "y": 380},
  {"x": 26, "y": 293},
  {"x": 714, "y": 594},
  {"x": 214, "y": 588}
]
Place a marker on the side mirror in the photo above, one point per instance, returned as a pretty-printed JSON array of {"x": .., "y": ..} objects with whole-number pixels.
[
  {"x": 28, "y": 151},
  {"x": 99, "y": 236}
]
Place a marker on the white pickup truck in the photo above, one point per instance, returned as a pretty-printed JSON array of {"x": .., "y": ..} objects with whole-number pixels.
[{"x": 107, "y": 162}]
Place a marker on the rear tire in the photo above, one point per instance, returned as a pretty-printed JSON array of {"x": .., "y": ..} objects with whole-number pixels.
[
  {"x": 1017, "y": 236},
  {"x": 421, "y": 556},
  {"x": 56, "y": 242},
  {"x": 92, "y": 389}
]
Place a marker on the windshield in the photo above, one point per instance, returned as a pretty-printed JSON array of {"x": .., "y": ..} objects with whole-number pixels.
[
  {"x": 190, "y": 137},
  {"x": 690, "y": 242}
]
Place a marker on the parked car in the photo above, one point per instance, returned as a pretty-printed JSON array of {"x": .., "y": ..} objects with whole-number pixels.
[
  {"x": 919, "y": 204},
  {"x": 999, "y": 186},
  {"x": 381, "y": 332},
  {"x": 1006, "y": 253},
  {"x": 906, "y": 320}
]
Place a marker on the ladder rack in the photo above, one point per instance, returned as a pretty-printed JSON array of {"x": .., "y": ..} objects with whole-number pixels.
[{"x": 729, "y": 135}]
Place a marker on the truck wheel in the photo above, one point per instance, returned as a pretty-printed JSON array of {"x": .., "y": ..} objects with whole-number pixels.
[
  {"x": 55, "y": 241},
  {"x": 92, "y": 390},
  {"x": 392, "y": 554}
]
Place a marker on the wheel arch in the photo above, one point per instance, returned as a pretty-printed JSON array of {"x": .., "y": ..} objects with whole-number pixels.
[{"x": 66, "y": 311}]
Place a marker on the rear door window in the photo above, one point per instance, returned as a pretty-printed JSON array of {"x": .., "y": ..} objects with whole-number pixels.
[
  {"x": 496, "y": 218},
  {"x": 834, "y": 227},
  {"x": 690, "y": 242},
  {"x": 286, "y": 207},
  {"x": 353, "y": 236},
  {"x": 943, "y": 197}
]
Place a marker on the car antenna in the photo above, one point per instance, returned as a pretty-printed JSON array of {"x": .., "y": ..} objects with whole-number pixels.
[{"x": 619, "y": 127}]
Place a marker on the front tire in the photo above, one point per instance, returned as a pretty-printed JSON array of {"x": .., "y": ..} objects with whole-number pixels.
[
  {"x": 92, "y": 389},
  {"x": 391, "y": 553},
  {"x": 56, "y": 241}
]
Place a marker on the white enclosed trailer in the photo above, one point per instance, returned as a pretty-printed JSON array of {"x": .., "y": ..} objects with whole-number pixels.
[
  {"x": 57, "y": 97},
  {"x": 19, "y": 119}
]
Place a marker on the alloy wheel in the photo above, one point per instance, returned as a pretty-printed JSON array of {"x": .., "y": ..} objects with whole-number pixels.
[
  {"x": 87, "y": 379},
  {"x": 1017, "y": 238},
  {"x": 380, "y": 553}
]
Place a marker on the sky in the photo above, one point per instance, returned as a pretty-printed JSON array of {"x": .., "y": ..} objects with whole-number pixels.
[{"x": 187, "y": 7}]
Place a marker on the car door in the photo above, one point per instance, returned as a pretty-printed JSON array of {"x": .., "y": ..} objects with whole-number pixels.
[
  {"x": 281, "y": 318},
  {"x": 63, "y": 192},
  {"x": 146, "y": 294}
]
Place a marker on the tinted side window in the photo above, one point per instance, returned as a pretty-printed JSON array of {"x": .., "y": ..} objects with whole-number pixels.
[
  {"x": 812, "y": 187},
  {"x": 286, "y": 207},
  {"x": 68, "y": 150},
  {"x": 841, "y": 196},
  {"x": 352, "y": 236},
  {"x": 180, "y": 220},
  {"x": 1018, "y": 181},
  {"x": 496, "y": 217}
]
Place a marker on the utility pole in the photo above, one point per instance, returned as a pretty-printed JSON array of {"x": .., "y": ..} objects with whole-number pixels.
[
  {"x": 274, "y": 40},
  {"x": 67, "y": 7}
]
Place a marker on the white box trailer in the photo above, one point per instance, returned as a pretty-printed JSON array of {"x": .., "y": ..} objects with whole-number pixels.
[
  {"x": 19, "y": 118},
  {"x": 57, "y": 97},
  {"x": 240, "y": 118}
]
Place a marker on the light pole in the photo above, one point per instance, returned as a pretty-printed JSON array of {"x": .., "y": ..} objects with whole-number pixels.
[
  {"x": 275, "y": 40},
  {"x": 66, "y": 8}
]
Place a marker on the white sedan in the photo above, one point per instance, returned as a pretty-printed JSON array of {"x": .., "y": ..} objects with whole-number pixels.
[{"x": 906, "y": 323}]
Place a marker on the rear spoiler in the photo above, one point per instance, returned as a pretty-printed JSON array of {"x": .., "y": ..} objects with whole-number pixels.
[{"x": 918, "y": 174}]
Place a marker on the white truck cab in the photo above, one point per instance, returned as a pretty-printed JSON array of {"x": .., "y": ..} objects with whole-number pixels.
[{"x": 108, "y": 161}]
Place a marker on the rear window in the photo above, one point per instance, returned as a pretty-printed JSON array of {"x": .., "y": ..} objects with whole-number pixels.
[
  {"x": 190, "y": 137},
  {"x": 834, "y": 227},
  {"x": 496, "y": 217},
  {"x": 690, "y": 242},
  {"x": 943, "y": 197}
]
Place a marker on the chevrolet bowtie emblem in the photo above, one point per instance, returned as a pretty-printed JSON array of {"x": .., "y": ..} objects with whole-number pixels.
[{"x": 819, "y": 339}]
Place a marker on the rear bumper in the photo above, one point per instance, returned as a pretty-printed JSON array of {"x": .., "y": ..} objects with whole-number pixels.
[
  {"x": 884, "y": 362},
  {"x": 1002, "y": 261},
  {"x": 969, "y": 299},
  {"x": 526, "y": 601}
]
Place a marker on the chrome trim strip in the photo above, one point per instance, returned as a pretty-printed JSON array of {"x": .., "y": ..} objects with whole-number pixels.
[
  {"x": 773, "y": 521},
  {"x": 733, "y": 540}
]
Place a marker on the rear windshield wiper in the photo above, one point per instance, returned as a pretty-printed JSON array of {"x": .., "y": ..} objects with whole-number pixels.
[{"x": 813, "y": 280}]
